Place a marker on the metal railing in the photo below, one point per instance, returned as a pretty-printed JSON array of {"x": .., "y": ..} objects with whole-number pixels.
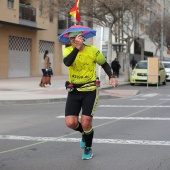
[{"x": 27, "y": 13}]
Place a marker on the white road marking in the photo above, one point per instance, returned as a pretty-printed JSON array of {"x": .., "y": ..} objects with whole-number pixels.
[
  {"x": 124, "y": 118},
  {"x": 156, "y": 106},
  {"x": 149, "y": 95},
  {"x": 164, "y": 99},
  {"x": 107, "y": 141},
  {"x": 139, "y": 99}
]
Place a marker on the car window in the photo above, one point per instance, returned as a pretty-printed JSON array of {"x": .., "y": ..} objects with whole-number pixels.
[
  {"x": 167, "y": 65},
  {"x": 142, "y": 65}
]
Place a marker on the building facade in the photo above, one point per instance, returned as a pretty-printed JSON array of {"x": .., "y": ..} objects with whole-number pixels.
[
  {"x": 159, "y": 9},
  {"x": 25, "y": 34},
  {"x": 142, "y": 43}
]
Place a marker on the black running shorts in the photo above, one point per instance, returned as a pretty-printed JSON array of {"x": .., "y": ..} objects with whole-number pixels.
[{"x": 85, "y": 101}]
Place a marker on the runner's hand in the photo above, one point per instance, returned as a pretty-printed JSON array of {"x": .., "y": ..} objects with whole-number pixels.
[
  {"x": 78, "y": 42},
  {"x": 114, "y": 82}
]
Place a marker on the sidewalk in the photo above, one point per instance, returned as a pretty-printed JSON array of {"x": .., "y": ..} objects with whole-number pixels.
[{"x": 27, "y": 90}]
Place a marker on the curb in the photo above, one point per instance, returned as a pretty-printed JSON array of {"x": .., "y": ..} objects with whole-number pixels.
[
  {"x": 38, "y": 101},
  {"x": 42, "y": 101},
  {"x": 54, "y": 100}
]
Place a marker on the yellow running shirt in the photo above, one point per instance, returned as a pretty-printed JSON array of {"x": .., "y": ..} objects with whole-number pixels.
[{"x": 83, "y": 69}]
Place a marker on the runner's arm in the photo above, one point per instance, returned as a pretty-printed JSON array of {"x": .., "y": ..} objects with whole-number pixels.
[
  {"x": 71, "y": 57},
  {"x": 107, "y": 69}
]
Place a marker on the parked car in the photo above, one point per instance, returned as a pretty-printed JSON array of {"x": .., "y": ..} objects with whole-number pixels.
[
  {"x": 167, "y": 68},
  {"x": 139, "y": 73}
]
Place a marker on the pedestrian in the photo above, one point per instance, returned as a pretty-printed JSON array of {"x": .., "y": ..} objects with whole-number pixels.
[
  {"x": 83, "y": 92},
  {"x": 44, "y": 68},
  {"x": 114, "y": 66},
  {"x": 118, "y": 69},
  {"x": 133, "y": 62}
]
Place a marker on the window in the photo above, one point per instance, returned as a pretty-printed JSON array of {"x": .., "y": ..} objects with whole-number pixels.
[
  {"x": 51, "y": 17},
  {"x": 10, "y": 3},
  {"x": 167, "y": 65},
  {"x": 51, "y": 8},
  {"x": 40, "y": 7},
  {"x": 62, "y": 24},
  {"x": 142, "y": 65}
]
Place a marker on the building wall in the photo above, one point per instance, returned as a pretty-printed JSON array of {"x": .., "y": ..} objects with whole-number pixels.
[
  {"x": 36, "y": 37},
  {"x": 45, "y": 31},
  {"x": 9, "y": 14}
]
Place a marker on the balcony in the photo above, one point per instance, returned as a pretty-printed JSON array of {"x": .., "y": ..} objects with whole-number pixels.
[{"x": 27, "y": 15}]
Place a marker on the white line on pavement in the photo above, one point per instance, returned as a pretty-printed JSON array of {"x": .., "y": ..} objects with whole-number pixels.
[
  {"x": 139, "y": 99},
  {"x": 107, "y": 141},
  {"x": 164, "y": 99},
  {"x": 124, "y": 118},
  {"x": 149, "y": 95},
  {"x": 157, "y": 106}
]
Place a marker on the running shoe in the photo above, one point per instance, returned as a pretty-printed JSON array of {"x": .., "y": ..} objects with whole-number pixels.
[
  {"x": 88, "y": 154},
  {"x": 82, "y": 143}
]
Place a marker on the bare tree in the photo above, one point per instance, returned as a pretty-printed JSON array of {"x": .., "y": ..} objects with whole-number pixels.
[
  {"x": 133, "y": 16},
  {"x": 166, "y": 28},
  {"x": 154, "y": 32}
]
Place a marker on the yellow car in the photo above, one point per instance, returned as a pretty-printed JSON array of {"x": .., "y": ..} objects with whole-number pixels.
[{"x": 139, "y": 73}]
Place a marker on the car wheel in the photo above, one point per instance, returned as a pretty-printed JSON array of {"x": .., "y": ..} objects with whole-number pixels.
[
  {"x": 164, "y": 83},
  {"x": 132, "y": 84}
]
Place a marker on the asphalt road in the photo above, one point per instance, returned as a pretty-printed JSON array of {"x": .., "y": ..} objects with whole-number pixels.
[{"x": 130, "y": 134}]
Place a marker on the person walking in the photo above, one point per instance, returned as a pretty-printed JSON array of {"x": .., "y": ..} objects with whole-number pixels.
[
  {"x": 114, "y": 66},
  {"x": 82, "y": 87},
  {"x": 133, "y": 62},
  {"x": 44, "y": 68},
  {"x": 118, "y": 69}
]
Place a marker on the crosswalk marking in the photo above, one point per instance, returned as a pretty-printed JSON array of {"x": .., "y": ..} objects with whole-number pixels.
[
  {"x": 95, "y": 140},
  {"x": 165, "y": 99},
  {"x": 150, "y": 95},
  {"x": 123, "y": 118},
  {"x": 132, "y": 106},
  {"x": 145, "y": 99}
]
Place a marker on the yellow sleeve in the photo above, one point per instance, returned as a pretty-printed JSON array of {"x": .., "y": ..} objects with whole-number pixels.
[
  {"x": 67, "y": 51},
  {"x": 99, "y": 57}
]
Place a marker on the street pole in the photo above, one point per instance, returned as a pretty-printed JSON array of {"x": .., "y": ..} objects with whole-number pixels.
[
  {"x": 101, "y": 44},
  {"x": 162, "y": 30}
]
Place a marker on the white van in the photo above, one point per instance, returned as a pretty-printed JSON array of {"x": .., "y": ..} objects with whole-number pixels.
[{"x": 167, "y": 68}]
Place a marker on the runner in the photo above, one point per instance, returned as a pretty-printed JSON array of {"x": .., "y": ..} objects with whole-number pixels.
[{"x": 83, "y": 94}]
